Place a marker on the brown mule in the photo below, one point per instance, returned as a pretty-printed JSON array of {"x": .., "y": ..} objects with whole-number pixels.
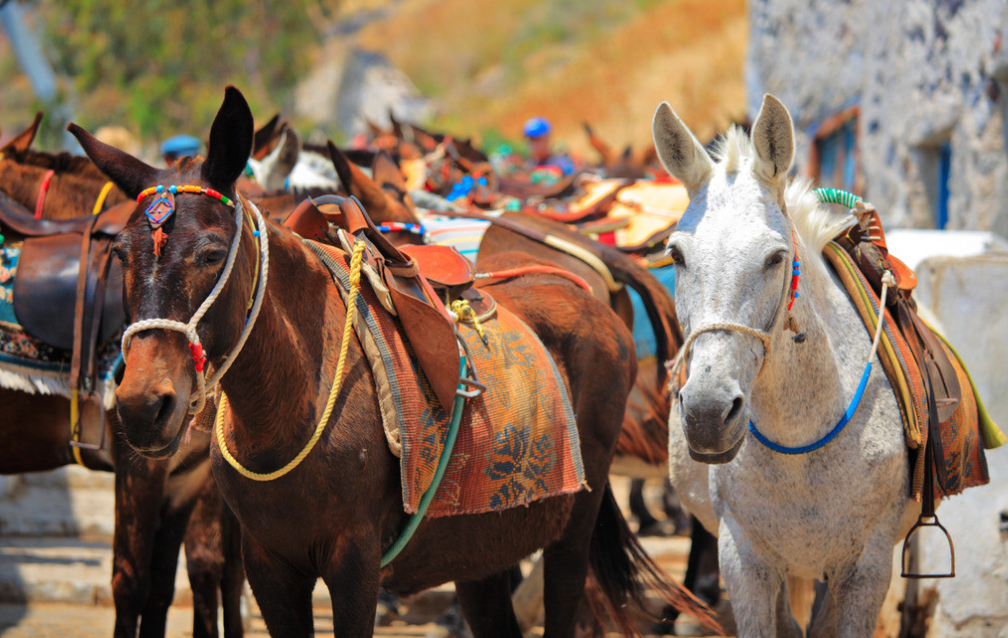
[
  {"x": 334, "y": 514},
  {"x": 158, "y": 503}
]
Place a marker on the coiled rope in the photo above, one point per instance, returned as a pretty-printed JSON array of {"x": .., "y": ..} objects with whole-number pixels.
[{"x": 355, "y": 274}]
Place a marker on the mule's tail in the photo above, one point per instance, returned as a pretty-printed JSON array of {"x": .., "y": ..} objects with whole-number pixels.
[
  {"x": 624, "y": 572},
  {"x": 657, "y": 300}
]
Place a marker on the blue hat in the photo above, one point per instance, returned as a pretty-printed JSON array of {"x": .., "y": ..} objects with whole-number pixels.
[
  {"x": 181, "y": 145},
  {"x": 537, "y": 127}
]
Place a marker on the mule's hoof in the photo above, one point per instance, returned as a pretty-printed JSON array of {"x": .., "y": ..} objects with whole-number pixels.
[
  {"x": 451, "y": 624},
  {"x": 385, "y": 616},
  {"x": 387, "y": 610}
]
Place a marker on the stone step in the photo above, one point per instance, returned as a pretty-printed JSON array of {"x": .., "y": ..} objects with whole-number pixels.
[
  {"x": 71, "y": 477},
  {"x": 38, "y": 511}
]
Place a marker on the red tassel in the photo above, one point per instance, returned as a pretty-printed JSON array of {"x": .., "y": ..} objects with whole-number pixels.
[
  {"x": 197, "y": 355},
  {"x": 160, "y": 237}
]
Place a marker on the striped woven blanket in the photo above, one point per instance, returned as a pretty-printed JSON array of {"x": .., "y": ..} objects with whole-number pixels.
[{"x": 961, "y": 462}]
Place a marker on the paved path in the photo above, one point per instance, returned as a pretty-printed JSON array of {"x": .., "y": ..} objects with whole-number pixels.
[{"x": 56, "y": 565}]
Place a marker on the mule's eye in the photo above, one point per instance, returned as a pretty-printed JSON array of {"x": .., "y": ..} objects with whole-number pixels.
[
  {"x": 119, "y": 250},
  {"x": 212, "y": 257},
  {"x": 675, "y": 255},
  {"x": 774, "y": 259}
]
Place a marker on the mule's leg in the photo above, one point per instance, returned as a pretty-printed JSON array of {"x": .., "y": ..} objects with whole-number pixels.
[
  {"x": 486, "y": 604},
  {"x": 232, "y": 584},
  {"x": 645, "y": 520},
  {"x": 282, "y": 591},
  {"x": 753, "y": 585},
  {"x": 139, "y": 490},
  {"x": 205, "y": 558},
  {"x": 702, "y": 576},
  {"x": 353, "y": 581},
  {"x": 164, "y": 565},
  {"x": 856, "y": 593},
  {"x": 565, "y": 566}
]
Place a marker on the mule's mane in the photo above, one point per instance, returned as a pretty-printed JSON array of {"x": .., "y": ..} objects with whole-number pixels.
[
  {"x": 815, "y": 224},
  {"x": 61, "y": 162}
]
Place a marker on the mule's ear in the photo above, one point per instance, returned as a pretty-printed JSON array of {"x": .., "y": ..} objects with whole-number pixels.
[
  {"x": 290, "y": 150},
  {"x": 22, "y": 141},
  {"x": 342, "y": 165},
  {"x": 231, "y": 137},
  {"x": 356, "y": 181},
  {"x": 385, "y": 171},
  {"x": 127, "y": 172},
  {"x": 678, "y": 149},
  {"x": 773, "y": 138},
  {"x": 263, "y": 137}
]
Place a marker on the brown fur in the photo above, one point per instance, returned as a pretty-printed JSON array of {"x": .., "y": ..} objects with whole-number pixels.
[
  {"x": 73, "y": 188},
  {"x": 152, "y": 509},
  {"x": 333, "y": 515}
]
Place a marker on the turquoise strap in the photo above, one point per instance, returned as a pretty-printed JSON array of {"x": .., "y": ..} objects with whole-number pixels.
[
  {"x": 837, "y": 196},
  {"x": 428, "y": 496}
]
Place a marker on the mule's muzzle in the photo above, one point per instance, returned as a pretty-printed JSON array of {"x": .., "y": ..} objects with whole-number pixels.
[
  {"x": 714, "y": 419},
  {"x": 147, "y": 419},
  {"x": 148, "y": 403}
]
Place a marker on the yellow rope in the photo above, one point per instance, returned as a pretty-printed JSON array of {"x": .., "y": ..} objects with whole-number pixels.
[
  {"x": 463, "y": 310},
  {"x": 101, "y": 198},
  {"x": 355, "y": 273},
  {"x": 255, "y": 277},
  {"x": 74, "y": 429}
]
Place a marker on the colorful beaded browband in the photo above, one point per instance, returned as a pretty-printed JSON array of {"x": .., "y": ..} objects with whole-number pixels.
[{"x": 187, "y": 188}]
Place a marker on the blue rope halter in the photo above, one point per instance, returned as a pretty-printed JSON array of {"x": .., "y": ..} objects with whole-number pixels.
[{"x": 805, "y": 449}]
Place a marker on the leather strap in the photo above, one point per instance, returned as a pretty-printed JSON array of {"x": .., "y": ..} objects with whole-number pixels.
[{"x": 40, "y": 201}]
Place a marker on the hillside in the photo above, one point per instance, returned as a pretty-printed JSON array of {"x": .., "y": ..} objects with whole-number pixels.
[
  {"x": 487, "y": 66},
  {"x": 571, "y": 61}
]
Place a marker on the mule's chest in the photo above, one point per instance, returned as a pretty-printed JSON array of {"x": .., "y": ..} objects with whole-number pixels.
[{"x": 813, "y": 510}]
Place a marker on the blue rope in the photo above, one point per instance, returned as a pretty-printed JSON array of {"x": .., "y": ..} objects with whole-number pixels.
[
  {"x": 428, "y": 496},
  {"x": 805, "y": 449}
]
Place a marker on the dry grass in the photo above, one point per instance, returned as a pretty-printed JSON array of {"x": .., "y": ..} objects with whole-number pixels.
[{"x": 689, "y": 52}]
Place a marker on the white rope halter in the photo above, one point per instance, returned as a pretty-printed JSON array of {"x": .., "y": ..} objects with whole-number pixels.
[{"x": 198, "y": 399}]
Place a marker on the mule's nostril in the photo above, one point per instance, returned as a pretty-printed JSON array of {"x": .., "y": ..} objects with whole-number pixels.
[
  {"x": 734, "y": 411},
  {"x": 166, "y": 408}
]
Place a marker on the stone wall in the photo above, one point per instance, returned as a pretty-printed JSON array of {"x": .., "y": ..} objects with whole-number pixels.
[{"x": 922, "y": 73}]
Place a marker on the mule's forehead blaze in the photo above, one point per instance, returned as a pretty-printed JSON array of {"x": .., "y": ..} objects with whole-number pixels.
[{"x": 169, "y": 286}]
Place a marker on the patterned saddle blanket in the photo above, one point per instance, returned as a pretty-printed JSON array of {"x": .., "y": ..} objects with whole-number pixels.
[
  {"x": 28, "y": 364},
  {"x": 937, "y": 397},
  {"x": 517, "y": 441}
]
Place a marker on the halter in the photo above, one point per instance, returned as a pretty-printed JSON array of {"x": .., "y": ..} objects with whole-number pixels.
[
  {"x": 198, "y": 399},
  {"x": 765, "y": 337}
]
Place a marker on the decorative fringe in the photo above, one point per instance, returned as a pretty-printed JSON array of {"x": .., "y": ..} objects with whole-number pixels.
[{"x": 32, "y": 381}]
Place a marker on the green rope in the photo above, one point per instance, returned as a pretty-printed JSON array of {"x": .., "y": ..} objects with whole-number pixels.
[
  {"x": 837, "y": 196},
  {"x": 428, "y": 496}
]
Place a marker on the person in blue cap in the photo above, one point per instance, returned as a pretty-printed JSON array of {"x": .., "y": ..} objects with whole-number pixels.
[
  {"x": 179, "y": 146},
  {"x": 537, "y": 132}
]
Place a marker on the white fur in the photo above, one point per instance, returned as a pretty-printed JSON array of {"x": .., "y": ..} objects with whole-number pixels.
[{"x": 834, "y": 513}]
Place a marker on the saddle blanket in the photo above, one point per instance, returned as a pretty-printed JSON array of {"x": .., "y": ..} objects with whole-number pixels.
[
  {"x": 517, "y": 442},
  {"x": 465, "y": 235},
  {"x": 964, "y": 435},
  {"x": 30, "y": 365}
]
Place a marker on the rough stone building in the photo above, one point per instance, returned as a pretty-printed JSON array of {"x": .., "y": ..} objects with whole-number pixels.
[
  {"x": 906, "y": 103},
  {"x": 903, "y": 101}
]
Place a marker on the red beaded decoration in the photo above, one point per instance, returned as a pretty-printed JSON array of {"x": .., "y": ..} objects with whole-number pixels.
[{"x": 795, "y": 272}]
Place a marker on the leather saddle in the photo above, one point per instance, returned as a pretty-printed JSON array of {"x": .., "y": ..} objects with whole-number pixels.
[
  {"x": 421, "y": 281},
  {"x": 865, "y": 243},
  {"x": 62, "y": 260}
]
